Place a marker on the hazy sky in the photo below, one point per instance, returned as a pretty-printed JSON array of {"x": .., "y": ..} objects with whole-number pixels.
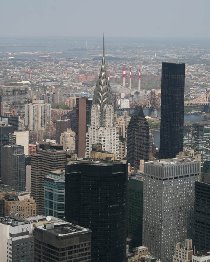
[{"x": 138, "y": 18}]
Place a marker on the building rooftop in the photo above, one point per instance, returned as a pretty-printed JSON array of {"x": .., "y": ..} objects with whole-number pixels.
[
  {"x": 13, "y": 221},
  {"x": 62, "y": 228},
  {"x": 97, "y": 162},
  {"x": 172, "y": 161}
]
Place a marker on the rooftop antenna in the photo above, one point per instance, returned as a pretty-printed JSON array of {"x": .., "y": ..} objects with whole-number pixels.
[{"x": 103, "y": 59}]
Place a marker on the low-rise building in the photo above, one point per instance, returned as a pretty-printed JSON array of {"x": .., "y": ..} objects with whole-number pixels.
[
  {"x": 183, "y": 251},
  {"x": 201, "y": 258}
]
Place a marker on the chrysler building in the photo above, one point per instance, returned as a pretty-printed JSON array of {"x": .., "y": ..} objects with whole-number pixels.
[{"x": 103, "y": 128}]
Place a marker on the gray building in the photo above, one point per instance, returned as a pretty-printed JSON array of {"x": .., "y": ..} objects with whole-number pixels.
[
  {"x": 62, "y": 241},
  {"x": 17, "y": 243},
  {"x": 13, "y": 169},
  {"x": 169, "y": 193}
]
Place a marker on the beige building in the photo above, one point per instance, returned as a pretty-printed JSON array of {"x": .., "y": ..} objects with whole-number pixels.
[
  {"x": 183, "y": 252},
  {"x": 21, "y": 138},
  {"x": 141, "y": 254},
  {"x": 21, "y": 205},
  {"x": 67, "y": 140}
]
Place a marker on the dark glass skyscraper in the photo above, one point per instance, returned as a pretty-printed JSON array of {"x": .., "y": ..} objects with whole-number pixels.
[
  {"x": 137, "y": 138},
  {"x": 172, "y": 109},
  {"x": 96, "y": 198},
  {"x": 202, "y": 217}
]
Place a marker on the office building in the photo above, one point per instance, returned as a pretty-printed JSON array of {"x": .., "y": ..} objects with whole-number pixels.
[
  {"x": 14, "y": 96},
  {"x": 37, "y": 115},
  {"x": 20, "y": 138},
  {"x": 83, "y": 116},
  {"x": 54, "y": 193},
  {"x": 172, "y": 109},
  {"x": 19, "y": 205},
  {"x": 13, "y": 169},
  {"x": 17, "y": 243},
  {"x": 201, "y": 239},
  {"x": 61, "y": 126},
  {"x": 49, "y": 157},
  {"x": 61, "y": 241},
  {"x": 95, "y": 197},
  {"x": 197, "y": 137},
  {"x": 183, "y": 251},
  {"x": 138, "y": 145},
  {"x": 168, "y": 205},
  {"x": 135, "y": 210},
  {"x": 103, "y": 129}
]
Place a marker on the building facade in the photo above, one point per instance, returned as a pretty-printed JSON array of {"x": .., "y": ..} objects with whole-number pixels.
[
  {"x": 183, "y": 251},
  {"x": 17, "y": 242},
  {"x": 201, "y": 239},
  {"x": 138, "y": 144},
  {"x": 13, "y": 169},
  {"x": 61, "y": 241},
  {"x": 49, "y": 157},
  {"x": 21, "y": 205},
  {"x": 67, "y": 140},
  {"x": 54, "y": 193},
  {"x": 61, "y": 126},
  {"x": 83, "y": 116},
  {"x": 168, "y": 209},
  {"x": 37, "y": 115},
  {"x": 172, "y": 110},
  {"x": 135, "y": 210},
  {"x": 95, "y": 197}
]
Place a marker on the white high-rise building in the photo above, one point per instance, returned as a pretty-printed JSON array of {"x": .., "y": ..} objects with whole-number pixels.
[
  {"x": 169, "y": 192},
  {"x": 103, "y": 129},
  {"x": 37, "y": 115}
]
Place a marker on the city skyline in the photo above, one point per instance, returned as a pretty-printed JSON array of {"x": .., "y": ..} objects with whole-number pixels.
[{"x": 138, "y": 18}]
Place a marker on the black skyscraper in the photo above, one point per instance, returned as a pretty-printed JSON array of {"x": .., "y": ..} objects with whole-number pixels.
[
  {"x": 138, "y": 138},
  {"x": 96, "y": 198},
  {"x": 202, "y": 217},
  {"x": 172, "y": 109}
]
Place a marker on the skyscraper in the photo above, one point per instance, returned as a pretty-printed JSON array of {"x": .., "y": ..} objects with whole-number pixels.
[
  {"x": 138, "y": 145},
  {"x": 135, "y": 210},
  {"x": 54, "y": 193},
  {"x": 83, "y": 115},
  {"x": 103, "y": 128},
  {"x": 48, "y": 158},
  {"x": 96, "y": 198},
  {"x": 202, "y": 217},
  {"x": 37, "y": 115},
  {"x": 172, "y": 109},
  {"x": 13, "y": 169},
  {"x": 168, "y": 214}
]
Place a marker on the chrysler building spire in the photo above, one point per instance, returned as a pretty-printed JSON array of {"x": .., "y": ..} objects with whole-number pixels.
[{"x": 102, "y": 93}]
